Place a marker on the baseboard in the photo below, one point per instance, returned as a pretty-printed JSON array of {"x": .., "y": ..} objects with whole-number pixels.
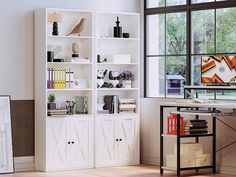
[
  {"x": 24, "y": 163},
  {"x": 150, "y": 160},
  {"x": 223, "y": 169}
]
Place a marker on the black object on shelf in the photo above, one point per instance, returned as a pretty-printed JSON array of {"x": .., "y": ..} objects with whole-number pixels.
[
  {"x": 125, "y": 35},
  {"x": 118, "y": 29},
  {"x": 58, "y": 60},
  {"x": 111, "y": 103},
  {"x": 55, "y": 29},
  {"x": 50, "y": 56}
]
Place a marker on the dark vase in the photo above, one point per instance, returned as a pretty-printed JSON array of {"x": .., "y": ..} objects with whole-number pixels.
[{"x": 52, "y": 106}]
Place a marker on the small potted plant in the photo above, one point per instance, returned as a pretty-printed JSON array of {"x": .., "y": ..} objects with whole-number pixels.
[
  {"x": 127, "y": 77},
  {"x": 51, "y": 100}
]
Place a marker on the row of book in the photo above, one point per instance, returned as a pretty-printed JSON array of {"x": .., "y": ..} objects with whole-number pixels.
[
  {"x": 114, "y": 105},
  {"x": 60, "y": 78},
  {"x": 192, "y": 127}
]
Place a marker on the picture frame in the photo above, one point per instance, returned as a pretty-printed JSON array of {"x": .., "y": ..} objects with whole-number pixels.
[{"x": 6, "y": 143}]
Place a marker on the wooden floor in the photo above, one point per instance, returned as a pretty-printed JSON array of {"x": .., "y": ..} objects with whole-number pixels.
[{"x": 128, "y": 171}]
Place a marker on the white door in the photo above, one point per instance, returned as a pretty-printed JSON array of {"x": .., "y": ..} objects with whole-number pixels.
[
  {"x": 106, "y": 143},
  {"x": 80, "y": 145},
  {"x": 128, "y": 147},
  {"x": 56, "y": 144}
]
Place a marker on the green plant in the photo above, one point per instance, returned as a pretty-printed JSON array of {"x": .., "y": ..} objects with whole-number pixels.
[{"x": 51, "y": 98}]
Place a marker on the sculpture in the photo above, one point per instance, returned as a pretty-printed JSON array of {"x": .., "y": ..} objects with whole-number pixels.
[{"x": 78, "y": 28}]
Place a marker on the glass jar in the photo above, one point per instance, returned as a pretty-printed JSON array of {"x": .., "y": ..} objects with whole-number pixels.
[{"x": 81, "y": 105}]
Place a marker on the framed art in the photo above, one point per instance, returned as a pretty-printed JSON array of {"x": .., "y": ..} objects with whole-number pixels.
[{"x": 6, "y": 148}]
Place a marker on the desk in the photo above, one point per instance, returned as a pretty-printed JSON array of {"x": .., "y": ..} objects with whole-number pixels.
[{"x": 213, "y": 106}]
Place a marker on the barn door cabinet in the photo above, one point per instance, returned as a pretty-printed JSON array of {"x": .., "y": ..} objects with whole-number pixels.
[
  {"x": 69, "y": 143},
  {"x": 117, "y": 140}
]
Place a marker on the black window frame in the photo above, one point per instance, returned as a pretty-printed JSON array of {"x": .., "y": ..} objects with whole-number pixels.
[{"x": 189, "y": 7}]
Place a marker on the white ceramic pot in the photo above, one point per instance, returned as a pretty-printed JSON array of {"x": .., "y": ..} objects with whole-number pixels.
[{"x": 127, "y": 83}]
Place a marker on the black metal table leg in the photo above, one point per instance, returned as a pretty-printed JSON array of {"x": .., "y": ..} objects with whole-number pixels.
[
  {"x": 161, "y": 140},
  {"x": 178, "y": 143},
  {"x": 214, "y": 142}
]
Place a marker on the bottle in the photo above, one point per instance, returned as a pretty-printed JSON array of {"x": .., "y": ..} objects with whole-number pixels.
[{"x": 117, "y": 29}]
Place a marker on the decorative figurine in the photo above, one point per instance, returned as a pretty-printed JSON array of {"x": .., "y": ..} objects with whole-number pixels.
[
  {"x": 78, "y": 28},
  {"x": 114, "y": 79},
  {"x": 75, "y": 52},
  {"x": 118, "y": 29},
  {"x": 101, "y": 74}
]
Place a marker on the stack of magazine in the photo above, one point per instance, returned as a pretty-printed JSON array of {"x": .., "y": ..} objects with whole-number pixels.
[
  {"x": 127, "y": 105},
  {"x": 57, "y": 112},
  {"x": 192, "y": 127}
]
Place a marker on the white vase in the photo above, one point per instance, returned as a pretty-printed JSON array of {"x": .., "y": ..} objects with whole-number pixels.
[{"x": 127, "y": 83}]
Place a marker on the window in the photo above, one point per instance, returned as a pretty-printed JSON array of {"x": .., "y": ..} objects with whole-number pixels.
[{"x": 178, "y": 34}]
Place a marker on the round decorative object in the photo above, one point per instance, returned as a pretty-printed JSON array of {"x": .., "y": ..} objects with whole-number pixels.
[
  {"x": 81, "y": 105},
  {"x": 127, "y": 83}
]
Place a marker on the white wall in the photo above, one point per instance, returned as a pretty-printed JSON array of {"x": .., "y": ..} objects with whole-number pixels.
[
  {"x": 150, "y": 137},
  {"x": 17, "y": 38}
]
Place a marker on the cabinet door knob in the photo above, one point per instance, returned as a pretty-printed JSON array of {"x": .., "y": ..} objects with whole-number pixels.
[
  {"x": 117, "y": 140},
  {"x": 73, "y": 142},
  {"x": 68, "y": 142},
  {"x": 120, "y": 139}
]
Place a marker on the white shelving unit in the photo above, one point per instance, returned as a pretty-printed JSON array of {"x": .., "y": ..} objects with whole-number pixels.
[
  {"x": 74, "y": 142},
  {"x": 117, "y": 135},
  {"x": 63, "y": 142}
]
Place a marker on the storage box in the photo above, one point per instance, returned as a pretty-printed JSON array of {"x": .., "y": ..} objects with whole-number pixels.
[
  {"x": 193, "y": 149},
  {"x": 203, "y": 160},
  {"x": 185, "y": 161},
  {"x": 122, "y": 59}
]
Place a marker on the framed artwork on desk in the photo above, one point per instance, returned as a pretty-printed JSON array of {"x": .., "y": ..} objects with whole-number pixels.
[{"x": 6, "y": 148}]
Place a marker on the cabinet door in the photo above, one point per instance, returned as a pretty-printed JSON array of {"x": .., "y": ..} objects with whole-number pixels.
[
  {"x": 105, "y": 141},
  {"x": 56, "y": 144},
  {"x": 128, "y": 147},
  {"x": 80, "y": 142}
]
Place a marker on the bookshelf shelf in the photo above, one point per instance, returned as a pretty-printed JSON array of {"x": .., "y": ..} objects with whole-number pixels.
[
  {"x": 117, "y": 64},
  {"x": 70, "y": 37},
  {"x": 118, "y": 39},
  {"x": 117, "y": 89},
  {"x": 67, "y": 63},
  {"x": 68, "y": 90}
]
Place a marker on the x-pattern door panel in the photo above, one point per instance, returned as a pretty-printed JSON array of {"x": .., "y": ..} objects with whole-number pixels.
[
  {"x": 56, "y": 143},
  {"x": 80, "y": 142},
  {"x": 106, "y": 141},
  {"x": 127, "y": 134}
]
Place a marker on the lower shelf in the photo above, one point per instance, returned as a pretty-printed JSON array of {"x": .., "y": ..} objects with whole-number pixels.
[{"x": 187, "y": 168}]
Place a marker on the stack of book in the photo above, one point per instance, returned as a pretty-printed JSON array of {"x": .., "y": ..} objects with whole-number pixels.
[
  {"x": 60, "y": 78},
  {"x": 192, "y": 127},
  {"x": 111, "y": 104},
  {"x": 127, "y": 106},
  {"x": 57, "y": 112}
]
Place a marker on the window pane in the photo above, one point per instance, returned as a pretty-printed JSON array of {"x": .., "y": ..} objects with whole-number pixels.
[
  {"x": 175, "y": 2},
  {"x": 176, "y": 33},
  {"x": 156, "y": 35},
  {"x": 201, "y": 1},
  {"x": 155, "y": 3},
  {"x": 226, "y": 94},
  {"x": 155, "y": 77},
  {"x": 203, "y": 31},
  {"x": 225, "y": 30},
  {"x": 175, "y": 76}
]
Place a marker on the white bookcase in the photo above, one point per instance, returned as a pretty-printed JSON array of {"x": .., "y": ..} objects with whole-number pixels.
[
  {"x": 67, "y": 142},
  {"x": 91, "y": 140},
  {"x": 117, "y": 135}
]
